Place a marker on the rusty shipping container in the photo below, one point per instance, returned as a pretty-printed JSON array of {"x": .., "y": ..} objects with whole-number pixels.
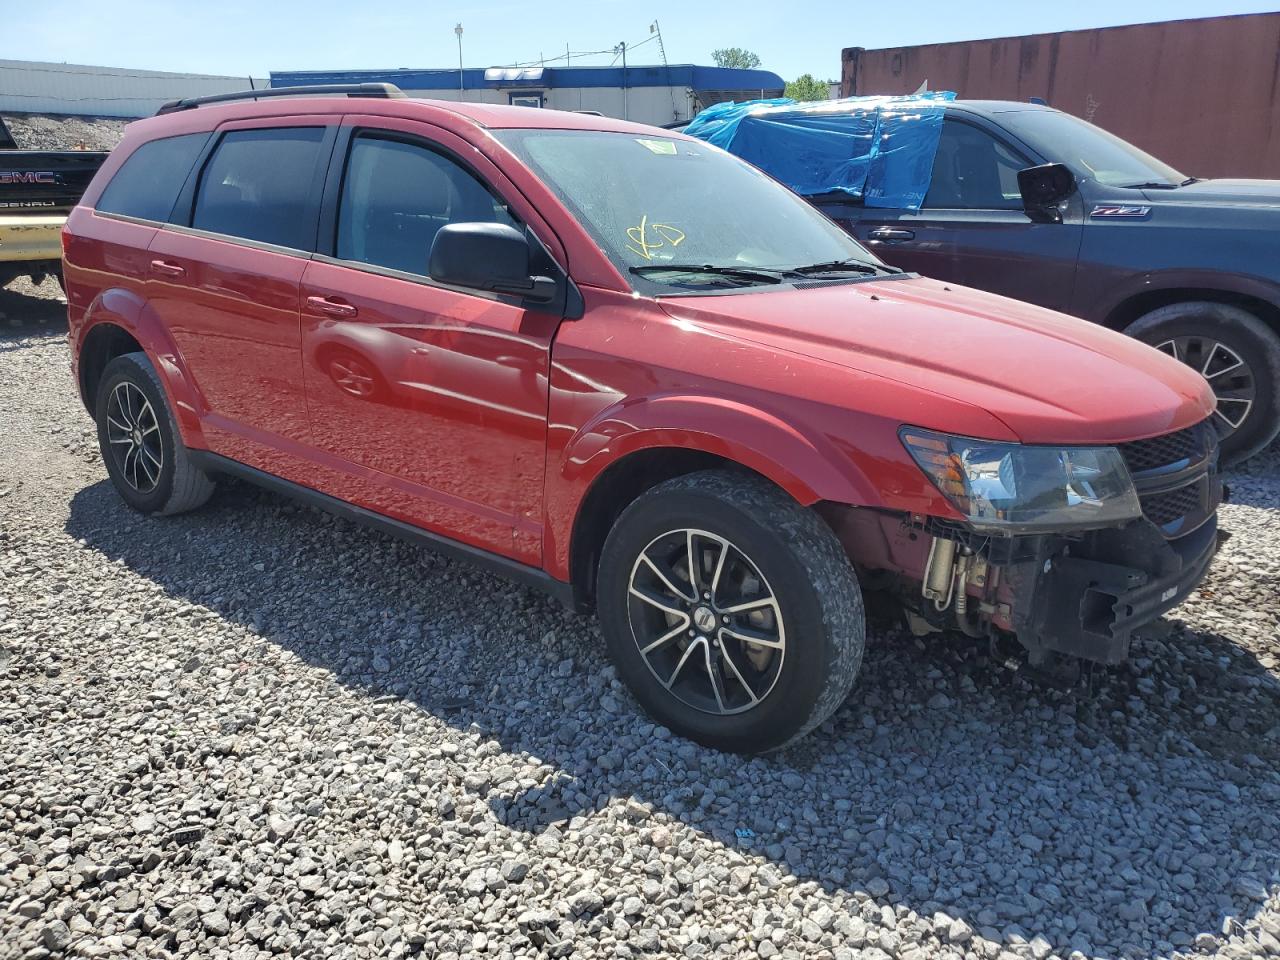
[{"x": 1199, "y": 94}]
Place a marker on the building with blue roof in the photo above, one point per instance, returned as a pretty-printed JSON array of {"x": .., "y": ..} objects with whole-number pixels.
[{"x": 646, "y": 94}]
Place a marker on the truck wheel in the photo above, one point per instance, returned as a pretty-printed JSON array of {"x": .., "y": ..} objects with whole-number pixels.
[
  {"x": 144, "y": 453},
  {"x": 1237, "y": 354},
  {"x": 730, "y": 611}
]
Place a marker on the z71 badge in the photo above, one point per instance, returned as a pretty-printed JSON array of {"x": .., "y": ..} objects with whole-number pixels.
[{"x": 1108, "y": 210}]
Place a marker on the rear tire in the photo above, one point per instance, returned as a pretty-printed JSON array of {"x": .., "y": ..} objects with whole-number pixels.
[
  {"x": 143, "y": 451},
  {"x": 744, "y": 680},
  {"x": 1237, "y": 354}
]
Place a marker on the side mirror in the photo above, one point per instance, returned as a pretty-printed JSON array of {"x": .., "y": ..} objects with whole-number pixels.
[
  {"x": 1043, "y": 188},
  {"x": 487, "y": 256}
]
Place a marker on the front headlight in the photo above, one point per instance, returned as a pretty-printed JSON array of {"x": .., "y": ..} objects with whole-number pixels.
[{"x": 1012, "y": 488}]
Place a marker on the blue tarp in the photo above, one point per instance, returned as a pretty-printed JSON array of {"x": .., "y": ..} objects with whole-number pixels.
[{"x": 877, "y": 148}]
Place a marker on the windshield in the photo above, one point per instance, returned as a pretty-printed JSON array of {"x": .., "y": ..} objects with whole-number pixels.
[
  {"x": 1089, "y": 151},
  {"x": 651, "y": 202}
]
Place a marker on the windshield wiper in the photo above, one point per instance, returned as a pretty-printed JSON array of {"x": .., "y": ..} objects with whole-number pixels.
[
  {"x": 1154, "y": 185},
  {"x": 836, "y": 266},
  {"x": 737, "y": 273}
]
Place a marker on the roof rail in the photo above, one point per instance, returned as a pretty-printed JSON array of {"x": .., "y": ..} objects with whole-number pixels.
[{"x": 325, "y": 89}]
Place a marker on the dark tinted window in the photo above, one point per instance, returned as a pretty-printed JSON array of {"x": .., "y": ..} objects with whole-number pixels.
[
  {"x": 147, "y": 185},
  {"x": 259, "y": 185},
  {"x": 974, "y": 171},
  {"x": 396, "y": 196}
]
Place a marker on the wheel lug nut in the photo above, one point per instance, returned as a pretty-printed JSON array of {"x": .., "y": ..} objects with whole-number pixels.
[
  {"x": 706, "y": 596},
  {"x": 726, "y": 619},
  {"x": 692, "y": 632}
]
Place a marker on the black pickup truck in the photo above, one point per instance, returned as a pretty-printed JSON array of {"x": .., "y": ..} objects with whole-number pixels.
[
  {"x": 1035, "y": 204},
  {"x": 38, "y": 188}
]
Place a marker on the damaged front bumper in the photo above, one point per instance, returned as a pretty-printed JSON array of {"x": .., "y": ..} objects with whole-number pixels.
[
  {"x": 1088, "y": 599},
  {"x": 1078, "y": 594}
]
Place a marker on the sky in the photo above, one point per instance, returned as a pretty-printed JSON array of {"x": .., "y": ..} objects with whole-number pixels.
[{"x": 253, "y": 38}]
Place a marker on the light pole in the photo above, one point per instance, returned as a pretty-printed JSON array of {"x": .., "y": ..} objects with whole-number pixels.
[
  {"x": 457, "y": 31},
  {"x": 622, "y": 49}
]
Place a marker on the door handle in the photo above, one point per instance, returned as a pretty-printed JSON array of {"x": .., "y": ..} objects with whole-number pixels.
[
  {"x": 167, "y": 269},
  {"x": 332, "y": 307},
  {"x": 890, "y": 234}
]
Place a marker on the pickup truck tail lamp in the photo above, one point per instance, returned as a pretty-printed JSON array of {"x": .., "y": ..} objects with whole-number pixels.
[{"x": 1008, "y": 488}]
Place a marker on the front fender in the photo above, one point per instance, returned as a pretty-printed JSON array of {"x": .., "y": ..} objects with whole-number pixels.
[
  {"x": 131, "y": 312},
  {"x": 804, "y": 462},
  {"x": 808, "y": 467}
]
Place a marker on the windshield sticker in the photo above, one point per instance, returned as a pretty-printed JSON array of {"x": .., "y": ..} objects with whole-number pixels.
[
  {"x": 663, "y": 148},
  {"x": 652, "y": 236}
]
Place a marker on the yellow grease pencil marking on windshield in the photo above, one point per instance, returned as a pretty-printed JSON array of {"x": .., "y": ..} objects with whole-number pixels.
[{"x": 666, "y": 234}]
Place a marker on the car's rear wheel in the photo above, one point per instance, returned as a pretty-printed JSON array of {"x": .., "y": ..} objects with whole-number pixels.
[
  {"x": 141, "y": 447},
  {"x": 732, "y": 612},
  {"x": 1239, "y": 357}
]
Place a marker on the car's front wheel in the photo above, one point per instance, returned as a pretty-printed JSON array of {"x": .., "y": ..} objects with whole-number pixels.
[
  {"x": 731, "y": 612},
  {"x": 144, "y": 454},
  {"x": 1239, "y": 357}
]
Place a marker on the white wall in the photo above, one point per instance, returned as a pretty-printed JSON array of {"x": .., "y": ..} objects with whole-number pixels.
[
  {"x": 655, "y": 105},
  {"x": 28, "y": 86},
  {"x": 644, "y": 104}
]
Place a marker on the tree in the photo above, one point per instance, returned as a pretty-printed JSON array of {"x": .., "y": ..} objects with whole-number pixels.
[
  {"x": 805, "y": 88},
  {"x": 735, "y": 57}
]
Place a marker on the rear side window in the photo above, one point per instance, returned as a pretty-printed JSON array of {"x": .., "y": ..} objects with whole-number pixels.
[
  {"x": 147, "y": 183},
  {"x": 395, "y": 198},
  {"x": 260, "y": 185}
]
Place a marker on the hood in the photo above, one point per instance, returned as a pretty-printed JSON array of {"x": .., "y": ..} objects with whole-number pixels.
[
  {"x": 1049, "y": 377},
  {"x": 1265, "y": 193}
]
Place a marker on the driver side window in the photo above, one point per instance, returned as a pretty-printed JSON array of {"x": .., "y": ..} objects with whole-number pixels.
[
  {"x": 397, "y": 195},
  {"x": 974, "y": 171}
]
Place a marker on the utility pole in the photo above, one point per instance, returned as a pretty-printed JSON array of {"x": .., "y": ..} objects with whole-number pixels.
[
  {"x": 457, "y": 31},
  {"x": 622, "y": 48},
  {"x": 662, "y": 49}
]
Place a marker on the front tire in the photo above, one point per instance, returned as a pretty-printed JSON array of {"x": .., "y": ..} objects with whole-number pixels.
[
  {"x": 145, "y": 457},
  {"x": 731, "y": 612},
  {"x": 1239, "y": 357}
]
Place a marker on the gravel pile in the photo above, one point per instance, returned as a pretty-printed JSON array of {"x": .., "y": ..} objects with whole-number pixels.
[
  {"x": 257, "y": 731},
  {"x": 33, "y": 131}
]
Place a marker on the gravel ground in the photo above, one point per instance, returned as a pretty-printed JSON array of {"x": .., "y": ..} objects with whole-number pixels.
[
  {"x": 257, "y": 730},
  {"x": 33, "y": 131}
]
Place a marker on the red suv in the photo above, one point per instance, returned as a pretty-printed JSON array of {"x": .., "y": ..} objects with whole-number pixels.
[{"x": 622, "y": 365}]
